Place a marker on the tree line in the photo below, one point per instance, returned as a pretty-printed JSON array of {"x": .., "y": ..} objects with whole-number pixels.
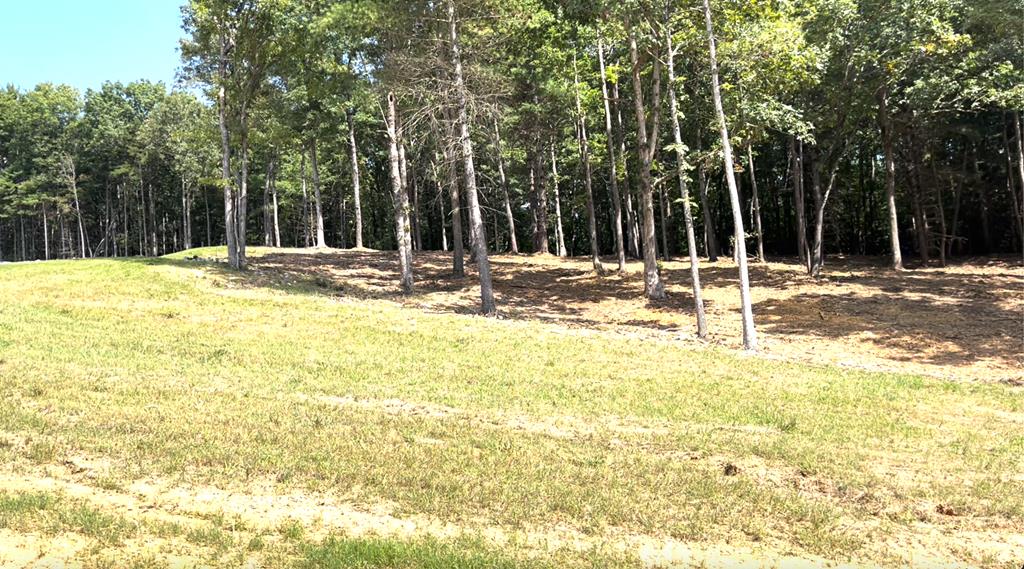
[{"x": 644, "y": 129}]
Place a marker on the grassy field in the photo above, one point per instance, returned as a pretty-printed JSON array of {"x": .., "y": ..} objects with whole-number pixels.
[{"x": 169, "y": 412}]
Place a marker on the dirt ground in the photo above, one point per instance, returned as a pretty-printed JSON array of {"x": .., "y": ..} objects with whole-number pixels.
[{"x": 964, "y": 321}]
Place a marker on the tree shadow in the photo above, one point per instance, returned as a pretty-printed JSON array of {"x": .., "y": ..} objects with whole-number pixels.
[{"x": 965, "y": 315}]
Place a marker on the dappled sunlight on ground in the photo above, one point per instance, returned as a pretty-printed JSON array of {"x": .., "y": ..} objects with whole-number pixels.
[{"x": 965, "y": 321}]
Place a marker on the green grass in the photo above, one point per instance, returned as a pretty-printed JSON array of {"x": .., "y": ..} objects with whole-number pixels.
[
  {"x": 337, "y": 553},
  {"x": 180, "y": 370}
]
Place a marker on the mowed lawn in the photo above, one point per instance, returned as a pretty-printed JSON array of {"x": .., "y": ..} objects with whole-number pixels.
[{"x": 171, "y": 413}]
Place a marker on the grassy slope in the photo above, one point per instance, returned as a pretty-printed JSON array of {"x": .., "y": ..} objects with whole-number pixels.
[{"x": 177, "y": 370}]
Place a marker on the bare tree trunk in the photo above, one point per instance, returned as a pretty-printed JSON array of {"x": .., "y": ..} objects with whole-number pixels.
[
  {"x": 186, "y": 215},
  {"x": 986, "y": 230},
  {"x": 559, "y": 234},
  {"x": 458, "y": 243},
  {"x": 343, "y": 225},
  {"x": 414, "y": 192},
  {"x": 404, "y": 166},
  {"x": 242, "y": 199},
  {"x": 209, "y": 224},
  {"x": 488, "y": 306},
  {"x": 268, "y": 222},
  {"x": 46, "y": 234},
  {"x": 142, "y": 220},
  {"x": 942, "y": 215},
  {"x": 757, "y": 205},
  {"x": 921, "y": 228},
  {"x": 691, "y": 238},
  {"x": 401, "y": 199},
  {"x": 957, "y": 193},
  {"x": 230, "y": 225},
  {"x": 440, "y": 193},
  {"x": 305, "y": 203},
  {"x": 1019, "y": 206},
  {"x": 711, "y": 248},
  {"x": 749, "y": 332},
  {"x": 620, "y": 248},
  {"x": 654, "y": 288},
  {"x": 817, "y": 252},
  {"x": 632, "y": 239},
  {"x": 314, "y": 165},
  {"x": 71, "y": 177},
  {"x": 276, "y": 219},
  {"x": 890, "y": 180},
  {"x": 799, "y": 203},
  {"x": 127, "y": 221},
  {"x": 513, "y": 243},
  {"x": 666, "y": 215},
  {"x": 539, "y": 205},
  {"x": 584, "y": 144},
  {"x": 153, "y": 242},
  {"x": 356, "y": 199}
]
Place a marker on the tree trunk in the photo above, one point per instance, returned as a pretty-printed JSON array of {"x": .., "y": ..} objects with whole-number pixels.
[
  {"x": 401, "y": 199},
  {"x": 414, "y": 192},
  {"x": 632, "y": 239},
  {"x": 749, "y": 332},
  {"x": 559, "y": 234},
  {"x": 305, "y": 202},
  {"x": 654, "y": 289},
  {"x": 209, "y": 224},
  {"x": 46, "y": 234},
  {"x": 268, "y": 222},
  {"x": 817, "y": 252},
  {"x": 440, "y": 194},
  {"x": 921, "y": 229},
  {"x": 539, "y": 205},
  {"x": 890, "y": 180},
  {"x": 691, "y": 238},
  {"x": 318, "y": 212},
  {"x": 404, "y": 165},
  {"x": 757, "y": 205},
  {"x": 356, "y": 198},
  {"x": 78, "y": 216},
  {"x": 458, "y": 243},
  {"x": 276, "y": 211},
  {"x": 488, "y": 306},
  {"x": 1019, "y": 204},
  {"x": 799, "y": 203},
  {"x": 230, "y": 226},
  {"x": 153, "y": 242},
  {"x": 666, "y": 215},
  {"x": 584, "y": 144},
  {"x": 711, "y": 248},
  {"x": 620, "y": 249},
  {"x": 513, "y": 243},
  {"x": 186, "y": 215}
]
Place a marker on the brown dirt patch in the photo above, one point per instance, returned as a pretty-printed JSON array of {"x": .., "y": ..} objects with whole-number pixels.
[{"x": 964, "y": 321}]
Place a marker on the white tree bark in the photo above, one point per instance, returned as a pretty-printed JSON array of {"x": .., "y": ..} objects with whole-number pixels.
[
  {"x": 691, "y": 239},
  {"x": 403, "y": 235},
  {"x": 488, "y": 306},
  {"x": 749, "y": 332}
]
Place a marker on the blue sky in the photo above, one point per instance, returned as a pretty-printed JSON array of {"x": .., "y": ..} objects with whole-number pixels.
[{"x": 86, "y": 42}]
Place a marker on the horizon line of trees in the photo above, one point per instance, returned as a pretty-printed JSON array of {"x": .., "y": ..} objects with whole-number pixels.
[{"x": 644, "y": 129}]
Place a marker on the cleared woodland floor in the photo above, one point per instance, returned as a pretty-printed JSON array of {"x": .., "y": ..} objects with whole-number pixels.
[
  {"x": 171, "y": 413},
  {"x": 963, "y": 321}
]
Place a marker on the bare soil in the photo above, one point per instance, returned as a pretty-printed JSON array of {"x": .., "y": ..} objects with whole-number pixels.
[{"x": 964, "y": 321}]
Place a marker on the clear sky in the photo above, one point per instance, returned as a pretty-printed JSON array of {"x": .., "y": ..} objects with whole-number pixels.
[{"x": 85, "y": 42}]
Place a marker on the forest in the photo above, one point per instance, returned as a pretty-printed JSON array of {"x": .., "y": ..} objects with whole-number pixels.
[{"x": 522, "y": 283}]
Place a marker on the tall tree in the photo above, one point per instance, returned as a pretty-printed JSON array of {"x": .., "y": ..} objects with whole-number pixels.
[{"x": 749, "y": 332}]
